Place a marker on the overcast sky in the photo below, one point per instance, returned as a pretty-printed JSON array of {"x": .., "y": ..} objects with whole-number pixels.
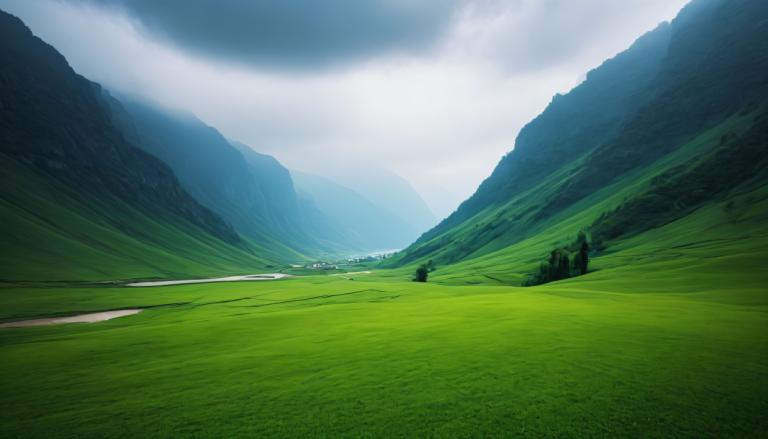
[{"x": 434, "y": 90}]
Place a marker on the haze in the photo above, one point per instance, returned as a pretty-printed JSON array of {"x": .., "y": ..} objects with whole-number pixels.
[{"x": 435, "y": 92}]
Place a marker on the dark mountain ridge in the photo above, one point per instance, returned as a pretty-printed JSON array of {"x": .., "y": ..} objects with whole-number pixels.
[
  {"x": 630, "y": 115},
  {"x": 78, "y": 195},
  {"x": 53, "y": 119},
  {"x": 585, "y": 118}
]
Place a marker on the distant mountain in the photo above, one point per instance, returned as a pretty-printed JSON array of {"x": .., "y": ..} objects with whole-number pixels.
[
  {"x": 252, "y": 192},
  {"x": 79, "y": 200},
  {"x": 388, "y": 191},
  {"x": 255, "y": 193},
  {"x": 366, "y": 225},
  {"x": 675, "y": 123},
  {"x": 318, "y": 233}
]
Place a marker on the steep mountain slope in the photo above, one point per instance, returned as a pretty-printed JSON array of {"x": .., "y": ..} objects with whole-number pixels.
[
  {"x": 675, "y": 123},
  {"x": 571, "y": 125},
  {"x": 78, "y": 200},
  {"x": 218, "y": 175},
  {"x": 276, "y": 184},
  {"x": 365, "y": 225},
  {"x": 315, "y": 231}
]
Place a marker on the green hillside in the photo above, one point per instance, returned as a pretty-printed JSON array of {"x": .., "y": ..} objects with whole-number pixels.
[
  {"x": 673, "y": 127},
  {"x": 52, "y": 232},
  {"x": 79, "y": 202}
]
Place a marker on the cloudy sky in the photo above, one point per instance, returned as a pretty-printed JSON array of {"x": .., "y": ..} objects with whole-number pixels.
[{"x": 434, "y": 90}]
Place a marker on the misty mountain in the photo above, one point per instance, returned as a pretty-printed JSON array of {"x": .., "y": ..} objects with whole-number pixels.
[
  {"x": 78, "y": 198},
  {"x": 255, "y": 193},
  {"x": 367, "y": 225},
  {"x": 671, "y": 124},
  {"x": 388, "y": 191},
  {"x": 97, "y": 187},
  {"x": 252, "y": 193},
  {"x": 328, "y": 238}
]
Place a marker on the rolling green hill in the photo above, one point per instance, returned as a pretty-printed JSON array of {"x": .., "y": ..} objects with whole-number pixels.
[{"x": 672, "y": 127}]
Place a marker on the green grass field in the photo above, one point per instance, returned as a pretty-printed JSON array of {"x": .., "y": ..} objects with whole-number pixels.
[
  {"x": 596, "y": 356},
  {"x": 667, "y": 337}
]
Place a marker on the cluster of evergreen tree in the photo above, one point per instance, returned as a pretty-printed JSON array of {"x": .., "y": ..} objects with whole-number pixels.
[{"x": 564, "y": 262}]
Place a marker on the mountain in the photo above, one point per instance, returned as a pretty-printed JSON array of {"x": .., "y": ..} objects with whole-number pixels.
[
  {"x": 79, "y": 200},
  {"x": 276, "y": 184},
  {"x": 388, "y": 191},
  {"x": 317, "y": 232},
  {"x": 365, "y": 225},
  {"x": 670, "y": 128},
  {"x": 252, "y": 192},
  {"x": 255, "y": 193}
]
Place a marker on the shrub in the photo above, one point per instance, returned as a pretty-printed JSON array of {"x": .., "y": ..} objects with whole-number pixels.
[{"x": 421, "y": 274}]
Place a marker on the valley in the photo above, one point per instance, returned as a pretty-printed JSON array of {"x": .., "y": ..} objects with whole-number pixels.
[
  {"x": 326, "y": 351},
  {"x": 159, "y": 278}
]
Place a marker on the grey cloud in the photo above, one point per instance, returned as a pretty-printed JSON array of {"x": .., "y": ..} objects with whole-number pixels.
[
  {"x": 298, "y": 34},
  {"x": 532, "y": 35}
]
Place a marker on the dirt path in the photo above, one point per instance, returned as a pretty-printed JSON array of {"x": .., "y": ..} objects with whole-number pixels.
[
  {"x": 80, "y": 318},
  {"x": 250, "y": 277},
  {"x": 348, "y": 275}
]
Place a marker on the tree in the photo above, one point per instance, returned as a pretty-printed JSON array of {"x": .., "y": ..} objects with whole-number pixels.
[
  {"x": 431, "y": 265},
  {"x": 563, "y": 262},
  {"x": 581, "y": 237},
  {"x": 559, "y": 265},
  {"x": 577, "y": 264},
  {"x": 564, "y": 267},
  {"x": 553, "y": 265},
  {"x": 421, "y": 273},
  {"x": 582, "y": 259}
]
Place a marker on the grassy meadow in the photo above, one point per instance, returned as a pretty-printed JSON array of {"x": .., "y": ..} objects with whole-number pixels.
[
  {"x": 666, "y": 337},
  {"x": 322, "y": 356}
]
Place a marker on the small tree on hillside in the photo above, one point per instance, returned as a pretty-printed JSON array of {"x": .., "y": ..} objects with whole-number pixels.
[
  {"x": 563, "y": 262},
  {"x": 582, "y": 258},
  {"x": 422, "y": 273},
  {"x": 559, "y": 265},
  {"x": 564, "y": 268}
]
